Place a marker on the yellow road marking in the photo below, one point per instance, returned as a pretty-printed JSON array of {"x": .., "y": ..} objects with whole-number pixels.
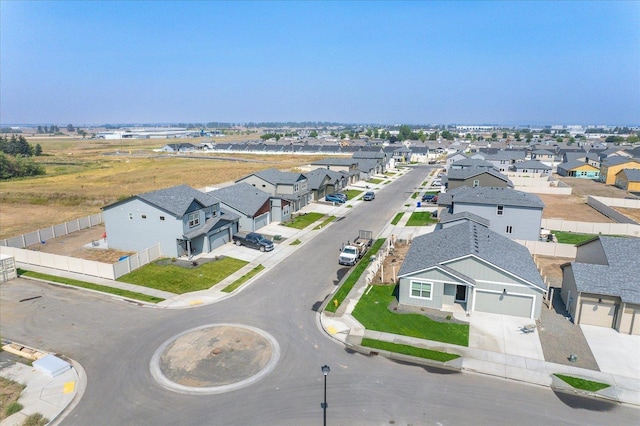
[
  {"x": 331, "y": 329},
  {"x": 195, "y": 302}
]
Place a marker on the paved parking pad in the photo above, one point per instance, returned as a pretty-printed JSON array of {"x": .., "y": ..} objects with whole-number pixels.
[
  {"x": 616, "y": 353},
  {"x": 504, "y": 334}
]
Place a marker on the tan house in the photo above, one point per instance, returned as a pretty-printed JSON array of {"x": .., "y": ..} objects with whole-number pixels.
[
  {"x": 612, "y": 165},
  {"x": 628, "y": 179},
  {"x": 602, "y": 286}
]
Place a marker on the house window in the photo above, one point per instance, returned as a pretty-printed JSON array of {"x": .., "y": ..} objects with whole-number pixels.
[
  {"x": 500, "y": 210},
  {"x": 476, "y": 183},
  {"x": 143, "y": 216},
  {"x": 421, "y": 290},
  {"x": 285, "y": 210},
  {"x": 194, "y": 219},
  {"x": 509, "y": 229},
  {"x": 161, "y": 217}
]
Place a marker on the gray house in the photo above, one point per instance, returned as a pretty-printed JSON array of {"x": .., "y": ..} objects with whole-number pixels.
[
  {"x": 467, "y": 265},
  {"x": 324, "y": 181},
  {"x": 602, "y": 286},
  {"x": 183, "y": 220},
  {"x": 531, "y": 166},
  {"x": 476, "y": 176},
  {"x": 346, "y": 166},
  {"x": 512, "y": 214},
  {"x": 290, "y": 186},
  {"x": 250, "y": 204}
]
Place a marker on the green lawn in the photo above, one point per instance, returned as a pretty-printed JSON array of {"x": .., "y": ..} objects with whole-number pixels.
[
  {"x": 243, "y": 279},
  {"x": 582, "y": 384},
  {"x": 177, "y": 279},
  {"x": 421, "y": 219},
  {"x": 296, "y": 242},
  {"x": 571, "y": 237},
  {"x": 351, "y": 280},
  {"x": 414, "y": 195},
  {"x": 303, "y": 220},
  {"x": 375, "y": 181},
  {"x": 373, "y": 313},
  {"x": 408, "y": 350},
  {"x": 352, "y": 193},
  {"x": 326, "y": 222},
  {"x": 104, "y": 289},
  {"x": 397, "y": 218}
]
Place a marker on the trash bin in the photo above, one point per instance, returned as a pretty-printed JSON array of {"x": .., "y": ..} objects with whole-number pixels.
[{"x": 419, "y": 203}]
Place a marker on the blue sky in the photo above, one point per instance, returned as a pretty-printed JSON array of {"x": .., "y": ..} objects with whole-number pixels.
[{"x": 366, "y": 62}]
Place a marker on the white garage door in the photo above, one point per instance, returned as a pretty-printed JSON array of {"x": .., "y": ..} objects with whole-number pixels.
[
  {"x": 600, "y": 314},
  {"x": 630, "y": 321},
  {"x": 262, "y": 220},
  {"x": 504, "y": 304}
]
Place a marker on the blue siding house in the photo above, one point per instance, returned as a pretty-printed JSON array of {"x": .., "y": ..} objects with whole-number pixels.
[{"x": 183, "y": 220}]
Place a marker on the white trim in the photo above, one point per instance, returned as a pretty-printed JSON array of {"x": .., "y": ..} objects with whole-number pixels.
[{"x": 420, "y": 282}]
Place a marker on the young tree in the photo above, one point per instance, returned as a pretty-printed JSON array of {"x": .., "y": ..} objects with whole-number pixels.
[
  {"x": 70, "y": 128},
  {"x": 38, "y": 150}
]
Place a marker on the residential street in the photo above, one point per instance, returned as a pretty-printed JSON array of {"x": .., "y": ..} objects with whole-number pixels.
[{"x": 114, "y": 341}]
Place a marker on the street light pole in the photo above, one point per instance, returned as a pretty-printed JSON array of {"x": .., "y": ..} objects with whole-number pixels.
[{"x": 325, "y": 372}]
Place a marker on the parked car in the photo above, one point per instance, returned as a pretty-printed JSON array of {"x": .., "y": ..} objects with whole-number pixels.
[
  {"x": 333, "y": 198},
  {"x": 369, "y": 196},
  {"x": 253, "y": 240},
  {"x": 429, "y": 198},
  {"x": 341, "y": 195},
  {"x": 436, "y": 182}
]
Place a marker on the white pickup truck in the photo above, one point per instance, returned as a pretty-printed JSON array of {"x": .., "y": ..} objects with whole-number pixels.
[{"x": 353, "y": 251}]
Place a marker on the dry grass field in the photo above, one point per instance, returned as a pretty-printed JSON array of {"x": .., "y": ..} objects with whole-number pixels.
[{"x": 84, "y": 175}]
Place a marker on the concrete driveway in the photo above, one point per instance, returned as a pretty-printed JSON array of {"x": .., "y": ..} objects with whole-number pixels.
[
  {"x": 503, "y": 334},
  {"x": 615, "y": 353}
]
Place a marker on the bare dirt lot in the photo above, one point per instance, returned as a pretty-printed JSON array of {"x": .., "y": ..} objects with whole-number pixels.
[{"x": 75, "y": 245}]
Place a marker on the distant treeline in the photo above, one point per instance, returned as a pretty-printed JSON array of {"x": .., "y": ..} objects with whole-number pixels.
[{"x": 15, "y": 161}]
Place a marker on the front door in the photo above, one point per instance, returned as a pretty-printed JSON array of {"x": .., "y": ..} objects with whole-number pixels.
[{"x": 461, "y": 293}]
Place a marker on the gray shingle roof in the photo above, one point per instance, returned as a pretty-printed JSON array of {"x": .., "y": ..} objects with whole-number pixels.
[
  {"x": 334, "y": 162},
  {"x": 491, "y": 195},
  {"x": 469, "y": 162},
  {"x": 242, "y": 197},
  {"x": 275, "y": 176},
  {"x": 570, "y": 165},
  {"x": 615, "y": 160},
  {"x": 176, "y": 200},
  {"x": 531, "y": 164},
  {"x": 620, "y": 277},
  {"x": 446, "y": 217},
  {"x": 213, "y": 223},
  {"x": 461, "y": 174},
  {"x": 633, "y": 175},
  {"x": 470, "y": 239}
]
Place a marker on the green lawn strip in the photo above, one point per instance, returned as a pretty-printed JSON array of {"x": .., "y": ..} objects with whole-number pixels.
[
  {"x": 351, "y": 280},
  {"x": 432, "y": 192},
  {"x": 572, "y": 237},
  {"x": 177, "y": 279},
  {"x": 326, "y": 222},
  {"x": 586, "y": 385},
  {"x": 295, "y": 243},
  {"x": 243, "y": 279},
  {"x": 414, "y": 195},
  {"x": 375, "y": 181},
  {"x": 105, "y": 289},
  {"x": 397, "y": 218},
  {"x": 373, "y": 313},
  {"x": 408, "y": 350},
  {"x": 352, "y": 193},
  {"x": 421, "y": 219},
  {"x": 303, "y": 220}
]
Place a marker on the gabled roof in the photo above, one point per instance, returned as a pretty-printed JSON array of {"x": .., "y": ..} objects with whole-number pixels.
[
  {"x": 461, "y": 174},
  {"x": 470, "y": 239},
  {"x": 369, "y": 154},
  {"x": 242, "y": 197},
  {"x": 275, "y": 176},
  {"x": 542, "y": 152},
  {"x": 446, "y": 217},
  {"x": 570, "y": 165},
  {"x": 618, "y": 277},
  {"x": 616, "y": 160},
  {"x": 632, "y": 175},
  {"x": 531, "y": 164},
  {"x": 175, "y": 200},
  {"x": 367, "y": 165},
  {"x": 490, "y": 195},
  {"x": 470, "y": 162},
  {"x": 315, "y": 178},
  {"x": 213, "y": 223},
  {"x": 505, "y": 155}
]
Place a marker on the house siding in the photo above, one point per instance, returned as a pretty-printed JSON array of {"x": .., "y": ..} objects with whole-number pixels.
[
  {"x": 137, "y": 234},
  {"x": 524, "y": 221},
  {"x": 484, "y": 179}
]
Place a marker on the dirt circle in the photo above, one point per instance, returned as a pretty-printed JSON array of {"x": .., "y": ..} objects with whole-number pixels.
[{"x": 215, "y": 358}]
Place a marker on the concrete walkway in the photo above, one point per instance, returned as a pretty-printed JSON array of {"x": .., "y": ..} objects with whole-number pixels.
[{"x": 497, "y": 345}]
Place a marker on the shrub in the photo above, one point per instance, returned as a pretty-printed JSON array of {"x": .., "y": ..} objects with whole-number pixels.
[{"x": 13, "y": 408}]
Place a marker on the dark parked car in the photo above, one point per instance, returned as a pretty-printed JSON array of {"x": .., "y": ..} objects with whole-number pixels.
[
  {"x": 369, "y": 196},
  {"x": 430, "y": 198},
  {"x": 335, "y": 199},
  {"x": 253, "y": 240}
]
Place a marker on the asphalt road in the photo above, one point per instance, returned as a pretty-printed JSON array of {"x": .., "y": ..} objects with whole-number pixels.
[{"x": 114, "y": 341}]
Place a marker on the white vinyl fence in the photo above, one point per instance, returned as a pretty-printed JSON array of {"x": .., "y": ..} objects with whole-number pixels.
[
  {"x": 592, "y": 227},
  {"x": 544, "y": 248},
  {"x": 46, "y": 234}
]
